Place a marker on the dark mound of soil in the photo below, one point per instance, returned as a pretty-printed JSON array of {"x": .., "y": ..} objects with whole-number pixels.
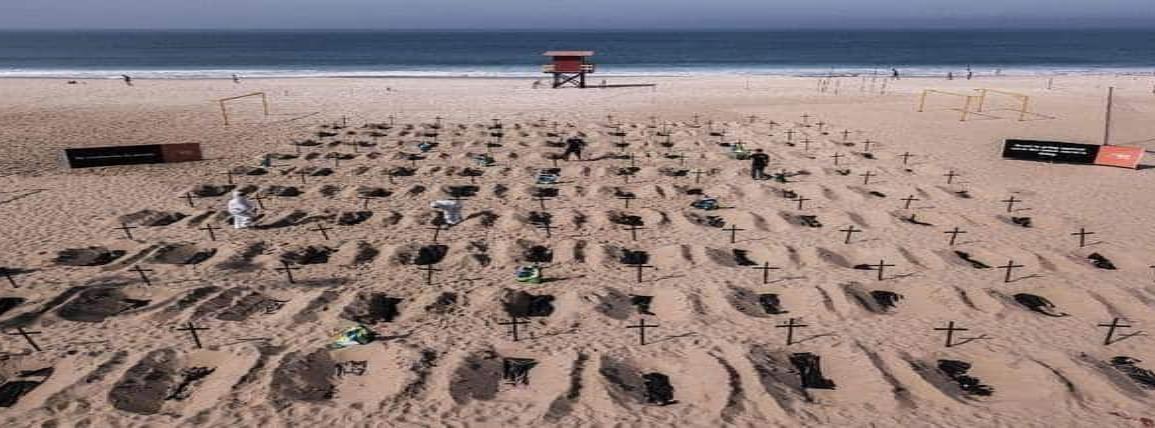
[
  {"x": 282, "y": 191},
  {"x": 96, "y": 304},
  {"x": 302, "y": 377},
  {"x": 658, "y": 389},
  {"x": 144, "y": 387},
  {"x": 477, "y": 379},
  {"x": 210, "y": 191},
  {"x": 538, "y": 254},
  {"x": 956, "y": 371},
  {"x": 524, "y": 305},
  {"x": 1101, "y": 262},
  {"x": 310, "y": 255},
  {"x": 182, "y": 254},
  {"x": 1038, "y": 304},
  {"x": 1126, "y": 365},
  {"x": 349, "y": 218},
  {"x": 150, "y": 218},
  {"x": 91, "y": 256},
  {"x": 372, "y": 308},
  {"x": 631, "y": 257},
  {"x": 810, "y": 371}
]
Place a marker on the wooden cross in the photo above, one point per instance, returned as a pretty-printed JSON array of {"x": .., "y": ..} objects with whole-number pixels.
[
  {"x": 696, "y": 117},
  {"x": 820, "y": 125},
  {"x": 143, "y": 274},
  {"x": 881, "y": 266},
  {"x": 27, "y": 337},
  {"x": 429, "y": 269},
  {"x": 908, "y": 200},
  {"x": 188, "y": 197},
  {"x": 642, "y": 326},
  {"x": 193, "y": 329},
  {"x": 866, "y": 145},
  {"x": 850, "y": 231},
  {"x": 304, "y": 176},
  {"x": 627, "y": 199},
  {"x": 229, "y": 175},
  {"x": 698, "y": 175},
  {"x": 1082, "y": 234},
  {"x": 806, "y": 144},
  {"x": 950, "y": 175},
  {"x": 365, "y": 201},
  {"x": 437, "y": 228},
  {"x": 766, "y": 268},
  {"x": 127, "y": 230},
  {"x": 285, "y": 266},
  {"x": 547, "y": 228},
  {"x": 950, "y": 329},
  {"x": 1010, "y": 267},
  {"x": 790, "y": 326},
  {"x": 513, "y": 324},
  {"x": 906, "y": 157},
  {"x": 541, "y": 200},
  {"x": 805, "y": 119},
  {"x": 800, "y": 200},
  {"x": 752, "y": 118},
  {"x": 1111, "y": 330},
  {"x": 336, "y": 162},
  {"x": 836, "y": 157},
  {"x": 789, "y": 135},
  {"x": 633, "y": 228},
  {"x": 640, "y": 268},
  {"x": 954, "y": 234},
  {"x": 211, "y": 230},
  {"x": 260, "y": 200},
  {"x": 1011, "y": 203},
  {"x": 324, "y": 231},
  {"x": 866, "y": 177},
  {"x": 733, "y": 233},
  {"x": 845, "y": 134}
]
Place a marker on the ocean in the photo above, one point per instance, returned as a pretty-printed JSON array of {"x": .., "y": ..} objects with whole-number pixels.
[{"x": 219, "y": 54}]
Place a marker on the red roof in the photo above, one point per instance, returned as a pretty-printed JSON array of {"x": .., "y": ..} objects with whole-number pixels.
[{"x": 569, "y": 53}]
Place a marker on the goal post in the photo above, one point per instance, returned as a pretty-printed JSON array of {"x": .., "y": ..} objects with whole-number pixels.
[
  {"x": 1023, "y": 101},
  {"x": 225, "y": 111},
  {"x": 967, "y": 101}
]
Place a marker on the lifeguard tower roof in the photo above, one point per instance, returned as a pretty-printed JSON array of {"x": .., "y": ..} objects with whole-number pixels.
[{"x": 568, "y": 53}]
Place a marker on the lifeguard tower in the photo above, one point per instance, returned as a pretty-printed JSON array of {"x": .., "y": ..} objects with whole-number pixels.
[{"x": 568, "y": 67}]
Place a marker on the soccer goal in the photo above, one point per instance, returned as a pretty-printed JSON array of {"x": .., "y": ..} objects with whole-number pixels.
[
  {"x": 966, "y": 100},
  {"x": 1004, "y": 100},
  {"x": 225, "y": 111}
]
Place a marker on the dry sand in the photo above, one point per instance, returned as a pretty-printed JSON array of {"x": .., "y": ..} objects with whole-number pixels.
[{"x": 111, "y": 356}]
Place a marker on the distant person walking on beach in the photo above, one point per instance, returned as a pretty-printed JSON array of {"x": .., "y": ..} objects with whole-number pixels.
[
  {"x": 236, "y": 79},
  {"x": 758, "y": 163},
  {"x": 894, "y": 73},
  {"x": 127, "y": 79},
  {"x": 574, "y": 146},
  {"x": 950, "y": 75}
]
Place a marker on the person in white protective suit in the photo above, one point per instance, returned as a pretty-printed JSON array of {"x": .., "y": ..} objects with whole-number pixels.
[
  {"x": 242, "y": 210},
  {"x": 450, "y": 211}
]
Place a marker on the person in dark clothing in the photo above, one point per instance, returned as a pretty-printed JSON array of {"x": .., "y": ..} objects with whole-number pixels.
[
  {"x": 758, "y": 163},
  {"x": 574, "y": 146},
  {"x": 894, "y": 73},
  {"x": 127, "y": 79}
]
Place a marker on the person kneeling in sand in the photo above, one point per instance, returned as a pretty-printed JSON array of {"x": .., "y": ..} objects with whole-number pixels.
[
  {"x": 242, "y": 210},
  {"x": 450, "y": 211}
]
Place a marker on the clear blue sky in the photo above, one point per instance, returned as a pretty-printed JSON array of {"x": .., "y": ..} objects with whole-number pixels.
[{"x": 567, "y": 14}]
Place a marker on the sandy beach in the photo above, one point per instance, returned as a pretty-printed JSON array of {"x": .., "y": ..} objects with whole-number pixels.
[{"x": 1032, "y": 354}]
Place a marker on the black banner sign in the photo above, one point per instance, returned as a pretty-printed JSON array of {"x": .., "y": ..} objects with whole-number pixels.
[
  {"x": 88, "y": 157},
  {"x": 1050, "y": 151}
]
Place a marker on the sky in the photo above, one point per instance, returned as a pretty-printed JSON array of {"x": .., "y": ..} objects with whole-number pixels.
[{"x": 572, "y": 14}]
